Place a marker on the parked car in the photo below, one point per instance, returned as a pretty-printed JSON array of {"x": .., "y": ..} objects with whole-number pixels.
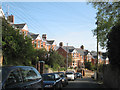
[
  {"x": 79, "y": 75},
  {"x": 70, "y": 76},
  {"x": 64, "y": 78},
  {"x": 52, "y": 80},
  {"x": 23, "y": 77}
]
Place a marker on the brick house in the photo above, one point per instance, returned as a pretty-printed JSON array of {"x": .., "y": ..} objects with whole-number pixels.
[
  {"x": 48, "y": 44},
  {"x": 77, "y": 55},
  {"x": 80, "y": 57},
  {"x": 102, "y": 58},
  {"x": 64, "y": 50},
  {"x": 22, "y": 27},
  {"x": 36, "y": 40}
]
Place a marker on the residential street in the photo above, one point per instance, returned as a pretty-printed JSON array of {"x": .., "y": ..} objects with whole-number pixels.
[{"x": 85, "y": 82}]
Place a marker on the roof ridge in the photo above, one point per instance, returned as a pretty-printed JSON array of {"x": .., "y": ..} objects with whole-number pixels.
[{"x": 19, "y": 24}]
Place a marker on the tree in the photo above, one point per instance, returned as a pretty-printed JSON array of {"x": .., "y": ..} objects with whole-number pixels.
[
  {"x": 69, "y": 59},
  {"x": 17, "y": 50},
  {"x": 107, "y": 16},
  {"x": 39, "y": 55},
  {"x": 55, "y": 59},
  {"x": 113, "y": 45}
]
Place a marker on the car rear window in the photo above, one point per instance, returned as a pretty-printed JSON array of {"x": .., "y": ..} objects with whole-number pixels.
[
  {"x": 48, "y": 77},
  {"x": 69, "y": 73}
]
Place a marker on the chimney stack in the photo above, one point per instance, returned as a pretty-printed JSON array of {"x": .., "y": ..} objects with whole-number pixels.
[
  {"x": 82, "y": 47},
  {"x": 44, "y": 36},
  {"x": 11, "y": 19},
  {"x": 60, "y": 44}
]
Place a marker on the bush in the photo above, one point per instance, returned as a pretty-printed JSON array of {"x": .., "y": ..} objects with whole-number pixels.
[{"x": 113, "y": 45}]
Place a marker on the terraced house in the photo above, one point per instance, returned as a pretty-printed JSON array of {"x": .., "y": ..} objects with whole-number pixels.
[{"x": 37, "y": 41}]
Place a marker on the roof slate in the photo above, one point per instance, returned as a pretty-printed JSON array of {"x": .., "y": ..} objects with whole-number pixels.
[
  {"x": 20, "y": 26},
  {"x": 81, "y": 51},
  {"x": 68, "y": 49},
  {"x": 32, "y": 35}
]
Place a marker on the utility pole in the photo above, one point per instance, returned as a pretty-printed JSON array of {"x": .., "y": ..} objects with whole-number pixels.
[
  {"x": 67, "y": 56},
  {"x": 97, "y": 43},
  {"x": 97, "y": 49}
]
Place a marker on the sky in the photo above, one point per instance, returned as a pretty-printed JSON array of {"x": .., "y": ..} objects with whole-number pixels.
[{"x": 67, "y": 22}]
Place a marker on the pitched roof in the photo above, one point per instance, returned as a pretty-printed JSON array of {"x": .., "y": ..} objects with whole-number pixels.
[
  {"x": 50, "y": 42},
  {"x": 81, "y": 51},
  {"x": 32, "y": 35},
  {"x": 20, "y": 26},
  {"x": 68, "y": 49}
]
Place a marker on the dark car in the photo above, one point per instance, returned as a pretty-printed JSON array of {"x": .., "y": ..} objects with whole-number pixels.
[
  {"x": 79, "y": 75},
  {"x": 22, "y": 77},
  {"x": 52, "y": 80},
  {"x": 64, "y": 78}
]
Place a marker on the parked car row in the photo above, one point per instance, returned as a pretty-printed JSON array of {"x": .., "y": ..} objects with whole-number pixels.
[{"x": 25, "y": 77}]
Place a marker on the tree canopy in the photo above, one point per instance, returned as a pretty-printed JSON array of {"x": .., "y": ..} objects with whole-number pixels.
[
  {"x": 108, "y": 15},
  {"x": 56, "y": 60},
  {"x": 113, "y": 45},
  {"x": 17, "y": 50}
]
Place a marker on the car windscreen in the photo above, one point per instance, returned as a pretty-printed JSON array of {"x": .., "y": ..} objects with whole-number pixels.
[{"x": 48, "y": 77}]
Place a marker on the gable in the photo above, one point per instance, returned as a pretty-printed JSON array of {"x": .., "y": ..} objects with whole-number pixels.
[
  {"x": 38, "y": 37},
  {"x": 74, "y": 51},
  {"x": 25, "y": 27}
]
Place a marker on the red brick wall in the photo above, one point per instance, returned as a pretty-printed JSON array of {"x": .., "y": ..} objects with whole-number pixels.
[{"x": 62, "y": 52}]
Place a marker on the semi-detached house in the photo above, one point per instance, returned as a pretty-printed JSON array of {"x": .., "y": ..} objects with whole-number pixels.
[{"x": 77, "y": 55}]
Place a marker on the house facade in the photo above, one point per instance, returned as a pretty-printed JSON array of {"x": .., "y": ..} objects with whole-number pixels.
[{"x": 77, "y": 55}]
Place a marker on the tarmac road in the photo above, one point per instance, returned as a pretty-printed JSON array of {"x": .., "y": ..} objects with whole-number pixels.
[{"x": 85, "y": 82}]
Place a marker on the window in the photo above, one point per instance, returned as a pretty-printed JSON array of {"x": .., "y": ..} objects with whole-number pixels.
[
  {"x": 48, "y": 77},
  {"x": 35, "y": 44},
  {"x": 30, "y": 75},
  {"x": 38, "y": 44},
  {"x": 42, "y": 45},
  {"x": 73, "y": 54},
  {"x": 57, "y": 76},
  {"x": 13, "y": 78}
]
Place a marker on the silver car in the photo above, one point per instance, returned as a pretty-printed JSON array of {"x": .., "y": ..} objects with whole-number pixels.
[{"x": 70, "y": 76}]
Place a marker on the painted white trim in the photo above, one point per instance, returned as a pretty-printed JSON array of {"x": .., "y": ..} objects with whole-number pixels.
[
  {"x": 1, "y": 13},
  {"x": 74, "y": 51},
  {"x": 38, "y": 37},
  {"x": 25, "y": 27}
]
